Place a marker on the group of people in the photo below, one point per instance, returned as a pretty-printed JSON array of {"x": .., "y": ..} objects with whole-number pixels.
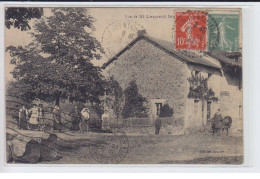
[{"x": 34, "y": 118}]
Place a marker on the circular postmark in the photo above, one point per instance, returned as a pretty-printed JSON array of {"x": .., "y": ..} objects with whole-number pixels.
[
  {"x": 117, "y": 35},
  {"x": 213, "y": 33},
  {"x": 193, "y": 31},
  {"x": 110, "y": 148}
]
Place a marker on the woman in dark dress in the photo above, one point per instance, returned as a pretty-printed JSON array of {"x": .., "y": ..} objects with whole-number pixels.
[
  {"x": 56, "y": 118},
  {"x": 23, "y": 115},
  {"x": 217, "y": 122},
  {"x": 75, "y": 119},
  {"x": 41, "y": 125}
]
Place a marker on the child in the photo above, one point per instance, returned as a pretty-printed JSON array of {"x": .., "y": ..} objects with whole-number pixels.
[{"x": 34, "y": 115}]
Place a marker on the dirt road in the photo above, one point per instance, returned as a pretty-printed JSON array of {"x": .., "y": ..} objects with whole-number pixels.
[{"x": 199, "y": 148}]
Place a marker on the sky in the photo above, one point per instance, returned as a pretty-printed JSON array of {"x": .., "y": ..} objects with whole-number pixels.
[{"x": 115, "y": 27}]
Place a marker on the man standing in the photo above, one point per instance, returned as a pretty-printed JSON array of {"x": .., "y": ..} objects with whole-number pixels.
[
  {"x": 105, "y": 120},
  {"x": 217, "y": 122},
  {"x": 41, "y": 117},
  {"x": 76, "y": 118},
  {"x": 157, "y": 125},
  {"x": 23, "y": 114},
  {"x": 217, "y": 118}
]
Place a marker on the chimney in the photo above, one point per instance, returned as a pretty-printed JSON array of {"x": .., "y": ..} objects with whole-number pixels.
[{"x": 141, "y": 33}]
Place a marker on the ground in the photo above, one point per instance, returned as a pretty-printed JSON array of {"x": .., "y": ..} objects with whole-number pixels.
[
  {"x": 202, "y": 148},
  {"x": 198, "y": 148}
]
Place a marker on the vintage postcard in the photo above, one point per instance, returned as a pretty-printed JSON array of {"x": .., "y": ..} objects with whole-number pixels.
[{"x": 116, "y": 85}]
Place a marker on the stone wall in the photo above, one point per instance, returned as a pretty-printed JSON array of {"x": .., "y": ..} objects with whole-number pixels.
[
  {"x": 196, "y": 121},
  {"x": 169, "y": 125},
  {"x": 158, "y": 75}
]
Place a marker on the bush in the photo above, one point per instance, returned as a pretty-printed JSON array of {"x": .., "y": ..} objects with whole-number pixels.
[
  {"x": 166, "y": 111},
  {"x": 134, "y": 102}
]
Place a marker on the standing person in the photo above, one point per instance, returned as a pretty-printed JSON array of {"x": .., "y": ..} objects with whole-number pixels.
[
  {"x": 157, "y": 124},
  {"x": 76, "y": 118},
  {"x": 41, "y": 117},
  {"x": 56, "y": 118},
  {"x": 84, "y": 121},
  {"x": 23, "y": 114},
  {"x": 217, "y": 117},
  {"x": 34, "y": 117},
  {"x": 105, "y": 120},
  {"x": 217, "y": 121}
]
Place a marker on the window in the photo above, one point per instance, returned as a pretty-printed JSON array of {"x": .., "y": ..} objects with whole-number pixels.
[
  {"x": 156, "y": 105},
  {"x": 196, "y": 107},
  {"x": 158, "y": 108},
  {"x": 209, "y": 75}
]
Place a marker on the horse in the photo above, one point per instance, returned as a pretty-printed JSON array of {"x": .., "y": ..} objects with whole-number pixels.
[
  {"x": 227, "y": 121},
  {"x": 222, "y": 124}
]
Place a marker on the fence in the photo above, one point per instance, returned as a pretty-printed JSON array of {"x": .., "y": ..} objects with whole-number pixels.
[
  {"x": 131, "y": 125},
  {"x": 136, "y": 126},
  {"x": 148, "y": 122}
]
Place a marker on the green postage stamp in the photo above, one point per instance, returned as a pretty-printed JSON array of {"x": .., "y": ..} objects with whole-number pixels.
[{"x": 223, "y": 32}]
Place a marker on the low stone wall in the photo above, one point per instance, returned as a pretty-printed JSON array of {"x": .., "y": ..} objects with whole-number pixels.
[
  {"x": 170, "y": 126},
  {"x": 148, "y": 122},
  {"x": 168, "y": 130}
]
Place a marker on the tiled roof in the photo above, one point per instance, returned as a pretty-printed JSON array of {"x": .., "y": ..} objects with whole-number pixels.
[
  {"x": 185, "y": 55},
  {"x": 230, "y": 58}
]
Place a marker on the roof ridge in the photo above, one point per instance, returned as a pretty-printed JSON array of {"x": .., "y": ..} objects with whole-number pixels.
[{"x": 187, "y": 56}]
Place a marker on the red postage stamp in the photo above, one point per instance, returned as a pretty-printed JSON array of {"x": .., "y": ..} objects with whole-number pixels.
[{"x": 191, "y": 30}]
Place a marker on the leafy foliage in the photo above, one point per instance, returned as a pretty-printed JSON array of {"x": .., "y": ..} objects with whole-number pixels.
[
  {"x": 134, "y": 102},
  {"x": 57, "y": 63},
  {"x": 166, "y": 111},
  {"x": 114, "y": 96},
  {"x": 19, "y": 17},
  {"x": 199, "y": 88}
]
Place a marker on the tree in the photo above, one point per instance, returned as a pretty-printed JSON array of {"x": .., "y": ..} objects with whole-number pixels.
[
  {"x": 19, "y": 17},
  {"x": 166, "y": 111},
  {"x": 114, "y": 96},
  {"x": 134, "y": 102},
  {"x": 199, "y": 90},
  {"x": 57, "y": 63}
]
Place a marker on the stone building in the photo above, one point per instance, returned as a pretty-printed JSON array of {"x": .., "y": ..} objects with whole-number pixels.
[{"x": 161, "y": 73}]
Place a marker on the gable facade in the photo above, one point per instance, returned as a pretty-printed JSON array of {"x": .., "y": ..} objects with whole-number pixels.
[{"x": 160, "y": 77}]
